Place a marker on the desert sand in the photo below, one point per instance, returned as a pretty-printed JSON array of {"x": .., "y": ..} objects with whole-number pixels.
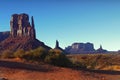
[{"x": 18, "y": 70}]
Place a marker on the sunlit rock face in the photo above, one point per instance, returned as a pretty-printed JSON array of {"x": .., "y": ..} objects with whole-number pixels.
[{"x": 21, "y": 27}]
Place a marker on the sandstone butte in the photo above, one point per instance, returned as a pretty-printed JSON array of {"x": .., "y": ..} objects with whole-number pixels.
[{"x": 22, "y": 34}]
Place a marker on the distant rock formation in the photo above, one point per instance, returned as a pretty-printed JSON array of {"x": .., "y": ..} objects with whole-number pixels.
[
  {"x": 58, "y": 47},
  {"x": 101, "y": 50},
  {"x": 22, "y": 35},
  {"x": 21, "y": 27},
  {"x": 4, "y": 35},
  {"x": 80, "y": 48},
  {"x": 57, "y": 44}
]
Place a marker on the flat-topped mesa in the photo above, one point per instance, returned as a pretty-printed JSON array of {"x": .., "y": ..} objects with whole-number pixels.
[{"x": 21, "y": 27}]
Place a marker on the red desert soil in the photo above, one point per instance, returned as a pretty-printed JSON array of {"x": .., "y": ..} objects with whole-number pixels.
[{"x": 18, "y": 70}]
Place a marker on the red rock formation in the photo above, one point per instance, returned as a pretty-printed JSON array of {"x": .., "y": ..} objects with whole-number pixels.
[
  {"x": 22, "y": 35},
  {"x": 21, "y": 27}
]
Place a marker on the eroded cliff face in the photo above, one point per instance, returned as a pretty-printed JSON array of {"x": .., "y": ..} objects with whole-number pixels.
[{"x": 21, "y": 27}]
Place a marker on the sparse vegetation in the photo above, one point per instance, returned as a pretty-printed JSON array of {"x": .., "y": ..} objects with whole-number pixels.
[
  {"x": 19, "y": 53},
  {"x": 57, "y": 58},
  {"x": 53, "y": 56},
  {"x": 96, "y": 61},
  {"x": 36, "y": 54},
  {"x": 7, "y": 54}
]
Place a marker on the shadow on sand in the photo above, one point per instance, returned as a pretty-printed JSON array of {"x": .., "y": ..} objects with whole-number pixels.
[
  {"x": 101, "y": 71},
  {"x": 43, "y": 68},
  {"x": 19, "y": 65}
]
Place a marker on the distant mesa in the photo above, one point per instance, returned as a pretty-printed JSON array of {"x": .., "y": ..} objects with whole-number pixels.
[
  {"x": 21, "y": 36},
  {"x": 77, "y": 48},
  {"x": 80, "y": 48}
]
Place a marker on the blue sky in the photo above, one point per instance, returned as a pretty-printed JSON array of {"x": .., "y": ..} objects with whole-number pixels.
[{"x": 69, "y": 21}]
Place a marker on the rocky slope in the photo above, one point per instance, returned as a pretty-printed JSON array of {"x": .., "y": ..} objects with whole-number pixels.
[{"x": 14, "y": 44}]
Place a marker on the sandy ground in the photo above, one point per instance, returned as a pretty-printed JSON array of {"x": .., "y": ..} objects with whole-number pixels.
[{"x": 15, "y": 70}]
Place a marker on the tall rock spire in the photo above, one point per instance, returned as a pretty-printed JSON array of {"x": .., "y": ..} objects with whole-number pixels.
[
  {"x": 32, "y": 21},
  {"x": 58, "y": 47},
  {"x": 33, "y": 27},
  {"x": 101, "y": 50},
  {"x": 57, "y": 44},
  {"x": 101, "y": 47}
]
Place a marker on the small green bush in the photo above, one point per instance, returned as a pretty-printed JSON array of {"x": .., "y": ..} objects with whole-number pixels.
[
  {"x": 57, "y": 58},
  {"x": 40, "y": 53},
  {"x": 7, "y": 54},
  {"x": 36, "y": 54},
  {"x": 19, "y": 53}
]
